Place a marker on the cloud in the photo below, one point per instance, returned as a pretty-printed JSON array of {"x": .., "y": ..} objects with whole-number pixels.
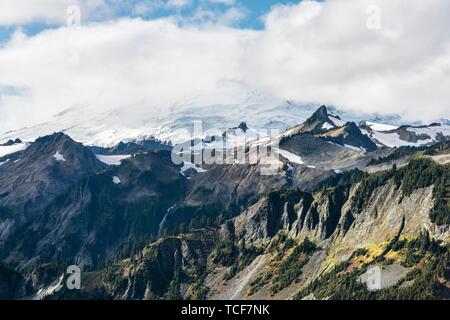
[
  {"x": 146, "y": 7},
  {"x": 227, "y": 17},
  {"x": 116, "y": 64},
  {"x": 332, "y": 52},
  {"x": 225, "y": 2},
  {"x": 178, "y": 3},
  {"x": 320, "y": 52},
  {"x": 18, "y": 12}
]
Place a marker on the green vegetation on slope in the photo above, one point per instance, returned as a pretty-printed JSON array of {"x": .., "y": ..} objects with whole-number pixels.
[
  {"x": 428, "y": 278},
  {"x": 235, "y": 256},
  {"x": 419, "y": 173},
  {"x": 286, "y": 266},
  {"x": 403, "y": 151}
]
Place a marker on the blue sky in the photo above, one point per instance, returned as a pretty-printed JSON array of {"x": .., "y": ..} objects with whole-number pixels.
[{"x": 252, "y": 10}]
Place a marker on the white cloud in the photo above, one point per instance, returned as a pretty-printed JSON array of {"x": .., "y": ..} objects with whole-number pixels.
[
  {"x": 178, "y": 3},
  {"x": 147, "y": 7},
  {"x": 318, "y": 52},
  {"x": 215, "y": 17},
  {"x": 226, "y": 2},
  {"x": 324, "y": 52},
  {"x": 17, "y": 12},
  {"x": 117, "y": 64}
]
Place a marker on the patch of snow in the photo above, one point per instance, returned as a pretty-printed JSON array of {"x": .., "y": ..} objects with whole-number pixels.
[
  {"x": 6, "y": 150},
  {"x": 115, "y": 160},
  {"x": 289, "y": 167},
  {"x": 359, "y": 149},
  {"x": 290, "y": 156},
  {"x": 327, "y": 126},
  {"x": 2, "y": 163},
  {"x": 393, "y": 140},
  {"x": 311, "y": 167},
  {"x": 17, "y": 160},
  {"x": 338, "y": 171},
  {"x": 116, "y": 180},
  {"x": 380, "y": 126},
  {"x": 189, "y": 165},
  {"x": 431, "y": 131},
  {"x": 59, "y": 157}
]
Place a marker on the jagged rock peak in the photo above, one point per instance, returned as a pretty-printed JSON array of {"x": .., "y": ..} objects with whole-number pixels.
[
  {"x": 321, "y": 114},
  {"x": 352, "y": 127},
  {"x": 243, "y": 126},
  {"x": 56, "y": 137},
  {"x": 12, "y": 142}
]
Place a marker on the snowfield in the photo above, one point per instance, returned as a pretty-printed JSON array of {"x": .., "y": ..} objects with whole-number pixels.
[
  {"x": 380, "y": 126},
  {"x": 115, "y": 160},
  {"x": 290, "y": 156},
  {"x": 393, "y": 140},
  {"x": 432, "y": 131},
  {"x": 172, "y": 122},
  {"x": 6, "y": 150}
]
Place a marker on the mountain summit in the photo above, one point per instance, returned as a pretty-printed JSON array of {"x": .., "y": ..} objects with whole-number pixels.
[{"x": 318, "y": 123}]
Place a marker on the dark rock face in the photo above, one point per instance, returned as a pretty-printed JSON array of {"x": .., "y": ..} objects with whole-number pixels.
[
  {"x": 89, "y": 222},
  {"x": 321, "y": 114},
  {"x": 12, "y": 284},
  {"x": 295, "y": 212},
  {"x": 31, "y": 182},
  {"x": 165, "y": 265},
  {"x": 133, "y": 147},
  {"x": 350, "y": 135},
  {"x": 219, "y": 193},
  {"x": 321, "y": 153},
  {"x": 318, "y": 123},
  {"x": 44, "y": 171},
  {"x": 11, "y": 142},
  {"x": 243, "y": 126}
]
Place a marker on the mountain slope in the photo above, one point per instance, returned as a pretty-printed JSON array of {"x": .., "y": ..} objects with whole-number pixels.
[
  {"x": 298, "y": 244},
  {"x": 43, "y": 171},
  {"x": 143, "y": 227},
  {"x": 350, "y": 135},
  {"x": 97, "y": 214}
]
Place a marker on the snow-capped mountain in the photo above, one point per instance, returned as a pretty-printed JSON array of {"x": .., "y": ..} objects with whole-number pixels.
[
  {"x": 173, "y": 122},
  {"x": 200, "y": 116}
]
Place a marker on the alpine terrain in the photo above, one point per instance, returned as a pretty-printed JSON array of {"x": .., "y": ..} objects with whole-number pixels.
[{"x": 328, "y": 206}]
